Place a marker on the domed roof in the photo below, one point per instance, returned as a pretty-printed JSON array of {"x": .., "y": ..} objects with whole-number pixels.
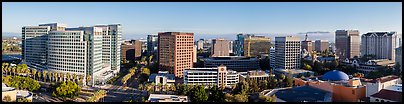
[{"x": 335, "y": 75}]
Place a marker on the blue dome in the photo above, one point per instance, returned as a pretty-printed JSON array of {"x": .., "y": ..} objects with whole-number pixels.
[{"x": 335, "y": 75}]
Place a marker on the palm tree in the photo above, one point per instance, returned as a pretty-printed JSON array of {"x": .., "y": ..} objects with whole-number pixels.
[
  {"x": 44, "y": 75},
  {"x": 81, "y": 77},
  {"x": 68, "y": 76},
  {"x": 55, "y": 76},
  {"x": 88, "y": 78},
  {"x": 9, "y": 70},
  {"x": 33, "y": 71},
  {"x": 74, "y": 77},
  {"x": 18, "y": 70},
  {"x": 39, "y": 75},
  {"x": 14, "y": 70}
]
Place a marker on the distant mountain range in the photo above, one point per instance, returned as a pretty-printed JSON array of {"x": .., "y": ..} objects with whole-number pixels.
[{"x": 10, "y": 35}]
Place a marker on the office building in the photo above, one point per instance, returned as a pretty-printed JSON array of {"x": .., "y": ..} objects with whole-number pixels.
[
  {"x": 398, "y": 58},
  {"x": 175, "y": 52},
  {"x": 287, "y": 52},
  {"x": 231, "y": 42},
  {"x": 321, "y": 45},
  {"x": 236, "y": 63},
  {"x": 131, "y": 50},
  {"x": 220, "y": 47},
  {"x": 144, "y": 45},
  {"x": 256, "y": 75},
  {"x": 380, "y": 44},
  {"x": 307, "y": 44},
  {"x": 272, "y": 57},
  {"x": 200, "y": 43},
  {"x": 219, "y": 76},
  {"x": 167, "y": 98},
  {"x": 84, "y": 51},
  {"x": 162, "y": 77},
  {"x": 251, "y": 46},
  {"x": 343, "y": 88},
  {"x": 347, "y": 43},
  {"x": 152, "y": 43}
]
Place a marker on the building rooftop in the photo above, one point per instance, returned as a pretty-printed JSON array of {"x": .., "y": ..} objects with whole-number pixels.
[
  {"x": 389, "y": 95},
  {"x": 23, "y": 94},
  {"x": 167, "y": 98},
  {"x": 385, "y": 79},
  {"x": 335, "y": 75},
  {"x": 379, "y": 34},
  {"x": 303, "y": 94}
]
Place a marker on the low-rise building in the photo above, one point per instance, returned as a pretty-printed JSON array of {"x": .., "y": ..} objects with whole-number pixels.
[
  {"x": 162, "y": 77},
  {"x": 300, "y": 94},
  {"x": 375, "y": 88},
  {"x": 254, "y": 75},
  {"x": 375, "y": 65},
  {"x": 236, "y": 63},
  {"x": 293, "y": 72},
  {"x": 343, "y": 88},
  {"x": 167, "y": 98},
  {"x": 14, "y": 94},
  {"x": 219, "y": 76}
]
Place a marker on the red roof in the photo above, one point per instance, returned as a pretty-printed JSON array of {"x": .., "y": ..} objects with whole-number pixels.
[{"x": 389, "y": 95}]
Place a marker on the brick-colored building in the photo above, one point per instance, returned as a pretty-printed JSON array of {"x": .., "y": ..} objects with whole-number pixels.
[
  {"x": 220, "y": 47},
  {"x": 131, "y": 50},
  {"x": 175, "y": 51}
]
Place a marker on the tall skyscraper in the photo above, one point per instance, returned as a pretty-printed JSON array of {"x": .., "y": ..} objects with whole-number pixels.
[
  {"x": 321, "y": 45},
  {"x": 220, "y": 47},
  {"x": 111, "y": 45},
  {"x": 307, "y": 44},
  {"x": 287, "y": 52},
  {"x": 380, "y": 44},
  {"x": 69, "y": 50},
  {"x": 251, "y": 46},
  {"x": 152, "y": 43},
  {"x": 175, "y": 52},
  {"x": 347, "y": 43}
]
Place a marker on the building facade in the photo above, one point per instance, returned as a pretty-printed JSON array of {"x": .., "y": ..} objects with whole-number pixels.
[
  {"x": 307, "y": 44},
  {"x": 219, "y": 76},
  {"x": 175, "y": 52},
  {"x": 130, "y": 50},
  {"x": 251, "y": 46},
  {"x": 287, "y": 52},
  {"x": 220, "y": 47},
  {"x": 380, "y": 44},
  {"x": 236, "y": 63},
  {"x": 347, "y": 43},
  {"x": 152, "y": 43},
  {"x": 321, "y": 45},
  {"x": 34, "y": 46},
  {"x": 398, "y": 58},
  {"x": 272, "y": 57}
]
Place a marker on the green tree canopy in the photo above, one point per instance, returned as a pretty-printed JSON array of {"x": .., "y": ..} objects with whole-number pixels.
[
  {"x": 67, "y": 89},
  {"x": 198, "y": 94}
]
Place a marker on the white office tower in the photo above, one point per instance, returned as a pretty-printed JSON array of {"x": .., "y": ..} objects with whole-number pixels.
[
  {"x": 380, "y": 44},
  {"x": 287, "y": 52},
  {"x": 77, "y": 51},
  {"x": 33, "y": 46},
  {"x": 111, "y": 45},
  {"x": 272, "y": 57}
]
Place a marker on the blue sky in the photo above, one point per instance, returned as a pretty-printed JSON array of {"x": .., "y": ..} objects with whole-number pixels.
[{"x": 208, "y": 19}]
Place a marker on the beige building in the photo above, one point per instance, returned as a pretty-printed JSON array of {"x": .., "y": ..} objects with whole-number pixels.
[
  {"x": 220, "y": 47},
  {"x": 380, "y": 44},
  {"x": 321, "y": 45},
  {"x": 176, "y": 51},
  {"x": 307, "y": 44},
  {"x": 347, "y": 43},
  {"x": 287, "y": 52}
]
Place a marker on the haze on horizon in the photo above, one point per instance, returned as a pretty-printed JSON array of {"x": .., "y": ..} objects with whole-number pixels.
[{"x": 209, "y": 19}]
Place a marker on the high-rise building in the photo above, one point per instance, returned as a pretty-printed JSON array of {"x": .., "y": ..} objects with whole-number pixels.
[
  {"x": 175, "y": 52},
  {"x": 131, "y": 50},
  {"x": 272, "y": 57},
  {"x": 220, "y": 47},
  {"x": 321, "y": 45},
  {"x": 380, "y": 44},
  {"x": 307, "y": 44},
  {"x": 287, "y": 52},
  {"x": 231, "y": 42},
  {"x": 152, "y": 43},
  {"x": 200, "y": 44},
  {"x": 111, "y": 45},
  {"x": 399, "y": 57},
  {"x": 79, "y": 50},
  {"x": 144, "y": 45},
  {"x": 251, "y": 46},
  {"x": 347, "y": 43}
]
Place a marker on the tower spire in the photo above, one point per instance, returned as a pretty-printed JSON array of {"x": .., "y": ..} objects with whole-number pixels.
[{"x": 305, "y": 39}]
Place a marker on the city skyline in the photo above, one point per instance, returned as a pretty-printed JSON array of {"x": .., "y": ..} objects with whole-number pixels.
[{"x": 212, "y": 19}]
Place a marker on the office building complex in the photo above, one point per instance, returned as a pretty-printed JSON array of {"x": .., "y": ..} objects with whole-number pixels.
[
  {"x": 347, "y": 43},
  {"x": 236, "y": 63},
  {"x": 219, "y": 76},
  {"x": 287, "y": 52},
  {"x": 175, "y": 52},
  {"x": 380, "y": 44},
  {"x": 74, "y": 50},
  {"x": 220, "y": 47},
  {"x": 321, "y": 45},
  {"x": 251, "y": 46},
  {"x": 152, "y": 43}
]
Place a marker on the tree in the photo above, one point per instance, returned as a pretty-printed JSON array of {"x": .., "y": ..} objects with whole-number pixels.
[
  {"x": 23, "y": 100},
  {"x": 282, "y": 76},
  {"x": 88, "y": 78},
  {"x": 241, "y": 98},
  {"x": 216, "y": 95},
  {"x": 308, "y": 74},
  {"x": 67, "y": 89},
  {"x": 74, "y": 77},
  {"x": 7, "y": 98},
  {"x": 289, "y": 81},
  {"x": 39, "y": 75},
  {"x": 307, "y": 67},
  {"x": 19, "y": 82},
  {"x": 264, "y": 98},
  {"x": 33, "y": 71},
  {"x": 242, "y": 88},
  {"x": 198, "y": 94}
]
